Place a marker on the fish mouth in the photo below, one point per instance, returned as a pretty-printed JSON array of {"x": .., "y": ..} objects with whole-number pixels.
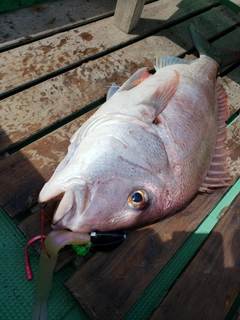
[
  {"x": 70, "y": 210},
  {"x": 71, "y": 206}
]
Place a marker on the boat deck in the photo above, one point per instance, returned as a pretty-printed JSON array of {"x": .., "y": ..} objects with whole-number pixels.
[{"x": 52, "y": 80}]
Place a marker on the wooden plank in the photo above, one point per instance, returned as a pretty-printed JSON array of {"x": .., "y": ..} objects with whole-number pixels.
[
  {"x": 210, "y": 284},
  {"x": 127, "y": 14},
  {"x": 14, "y": 5},
  {"x": 48, "y": 18},
  {"x": 237, "y": 317},
  {"x": 32, "y": 61},
  {"x": 232, "y": 4},
  {"x": 42, "y": 105},
  {"x": 232, "y": 88},
  {"x": 233, "y": 145},
  {"x": 32, "y": 166}
]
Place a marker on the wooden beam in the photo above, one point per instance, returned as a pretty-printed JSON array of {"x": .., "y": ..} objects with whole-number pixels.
[{"x": 127, "y": 14}]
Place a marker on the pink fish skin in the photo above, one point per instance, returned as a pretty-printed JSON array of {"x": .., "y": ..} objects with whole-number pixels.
[{"x": 148, "y": 150}]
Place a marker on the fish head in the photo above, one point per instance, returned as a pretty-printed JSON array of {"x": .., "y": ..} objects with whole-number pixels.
[
  {"x": 108, "y": 204},
  {"x": 117, "y": 178}
]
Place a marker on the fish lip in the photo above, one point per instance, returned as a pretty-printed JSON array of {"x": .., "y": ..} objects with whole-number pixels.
[
  {"x": 71, "y": 222},
  {"x": 82, "y": 229}
]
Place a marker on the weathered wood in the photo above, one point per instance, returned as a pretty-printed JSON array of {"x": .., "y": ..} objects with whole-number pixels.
[
  {"x": 127, "y": 14},
  {"x": 42, "y": 105},
  {"x": 233, "y": 145},
  {"x": 237, "y": 316},
  {"x": 32, "y": 166},
  {"x": 210, "y": 284},
  {"x": 50, "y": 17},
  {"x": 23, "y": 191},
  {"x": 232, "y": 4},
  {"x": 32, "y": 61},
  {"x": 122, "y": 276},
  {"x": 232, "y": 88}
]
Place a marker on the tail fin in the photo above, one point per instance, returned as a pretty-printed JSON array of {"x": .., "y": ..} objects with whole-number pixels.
[{"x": 223, "y": 57}]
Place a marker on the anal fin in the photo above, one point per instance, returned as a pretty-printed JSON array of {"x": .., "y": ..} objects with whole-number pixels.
[{"x": 218, "y": 175}]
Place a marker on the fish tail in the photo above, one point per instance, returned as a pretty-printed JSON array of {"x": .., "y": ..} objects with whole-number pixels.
[{"x": 222, "y": 56}]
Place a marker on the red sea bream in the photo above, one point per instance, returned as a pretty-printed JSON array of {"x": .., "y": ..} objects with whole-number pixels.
[{"x": 148, "y": 150}]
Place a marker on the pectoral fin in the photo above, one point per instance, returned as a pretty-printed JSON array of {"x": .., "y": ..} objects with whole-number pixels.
[
  {"x": 163, "y": 94},
  {"x": 135, "y": 79},
  {"x": 113, "y": 89}
]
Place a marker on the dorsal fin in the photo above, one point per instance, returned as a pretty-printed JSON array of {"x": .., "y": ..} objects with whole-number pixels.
[
  {"x": 170, "y": 60},
  {"x": 218, "y": 175},
  {"x": 135, "y": 79}
]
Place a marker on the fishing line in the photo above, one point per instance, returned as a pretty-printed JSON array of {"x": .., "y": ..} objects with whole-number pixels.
[{"x": 27, "y": 264}]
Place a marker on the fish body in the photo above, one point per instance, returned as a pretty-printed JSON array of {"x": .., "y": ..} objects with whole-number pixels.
[{"x": 147, "y": 150}]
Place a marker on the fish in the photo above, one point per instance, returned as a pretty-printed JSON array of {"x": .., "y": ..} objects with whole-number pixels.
[{"x": 157, "y": 141}]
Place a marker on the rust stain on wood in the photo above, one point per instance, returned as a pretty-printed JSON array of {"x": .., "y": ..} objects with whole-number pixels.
[{"x": 86, "y": 36}]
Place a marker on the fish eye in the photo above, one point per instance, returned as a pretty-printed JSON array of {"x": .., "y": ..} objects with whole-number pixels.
[{"x": 138, "y": 199}]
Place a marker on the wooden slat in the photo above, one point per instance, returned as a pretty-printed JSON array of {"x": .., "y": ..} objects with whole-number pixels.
[
  {"x": 210, "y": 284},
  {"x": 44, "y": 104},
  {"x": 237, "y": 317},
  {"x": 232, "y": 4},
  {"x": 32, "y": 166},
  {"x": 232, "y": 89},
  {"x": 32, "y": 61},
  {"x": 47, "y": 18},
  {"x": 233, "y": 144}
]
